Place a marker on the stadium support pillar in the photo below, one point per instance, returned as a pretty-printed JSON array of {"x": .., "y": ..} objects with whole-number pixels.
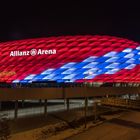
[
  {"x": 40, "y": 101},
  {"x": 22, "y": 103},
  {"x": 64, "y": 97},
  {"x": 45, "y": 107},
  {"x": 0, "y": 105},
  {"x": 16, "y": 109},
  {"x": 95, "y": 111},
  {"x": 68, "y": 104},
  {"x": 129, "y": 96},
  {"x": 86, "y": 107}
]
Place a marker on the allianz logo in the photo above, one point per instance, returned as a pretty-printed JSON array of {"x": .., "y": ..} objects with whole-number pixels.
[{"x": 32, "y": 52}]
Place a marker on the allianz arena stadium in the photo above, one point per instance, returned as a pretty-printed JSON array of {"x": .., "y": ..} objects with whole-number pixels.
[
  {"x": 70, "y": 59},
  {"x": 80, "y": 68}
]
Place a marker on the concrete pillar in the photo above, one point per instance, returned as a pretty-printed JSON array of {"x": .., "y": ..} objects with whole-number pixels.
[
  {"x": 86, "y": 107},
  {"x": 64, "y": 96},
  {"x": 45, "y": 107},
  {"x": 65, "y": 103},
  {"x": 95, "y": 111},
  {"x": 40, "y": 101},
  {"x": 68, "y": 105},
  {"x": 16, "y": 109},
  {"x": 22, "y": 103},
  {"x": 129, "y": 96},
  {"x": 0, "y": 105}
]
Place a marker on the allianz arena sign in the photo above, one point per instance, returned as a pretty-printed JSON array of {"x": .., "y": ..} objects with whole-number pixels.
[{"x": 32, "y": 52}]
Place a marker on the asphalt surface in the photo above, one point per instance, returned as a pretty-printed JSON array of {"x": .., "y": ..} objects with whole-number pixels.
[{"x": 126, "y": 127}]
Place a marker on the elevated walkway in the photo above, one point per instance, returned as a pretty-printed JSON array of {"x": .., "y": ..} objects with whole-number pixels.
[{"x": 7, "y": 94}]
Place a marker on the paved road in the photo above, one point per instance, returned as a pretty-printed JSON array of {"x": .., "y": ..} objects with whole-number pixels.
[
  {"x": 40, "y": 110},
  {"x": 127, "y": 127}
]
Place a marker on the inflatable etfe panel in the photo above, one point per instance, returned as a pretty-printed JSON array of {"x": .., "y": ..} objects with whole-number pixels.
[{"x": 70, "y": 59}]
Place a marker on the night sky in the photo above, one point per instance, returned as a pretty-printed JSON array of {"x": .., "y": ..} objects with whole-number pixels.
[{"x": 32, "y": 20}]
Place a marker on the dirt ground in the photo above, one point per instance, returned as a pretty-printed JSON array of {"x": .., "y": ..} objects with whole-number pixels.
[
  {"x": 126, "y": 127},
  {"x": 122, "y": 126},
  {"x": 34, "y": 126}
]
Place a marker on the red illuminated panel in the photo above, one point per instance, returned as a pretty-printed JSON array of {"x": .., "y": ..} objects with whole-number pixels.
[{"x": 68, "y": 49}]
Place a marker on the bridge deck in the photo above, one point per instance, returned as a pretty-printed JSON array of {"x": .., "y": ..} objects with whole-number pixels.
[{"x": 7, "y": 94}]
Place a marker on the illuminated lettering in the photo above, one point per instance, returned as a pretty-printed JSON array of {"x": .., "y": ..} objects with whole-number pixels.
[{"x": 32, "y": 52}]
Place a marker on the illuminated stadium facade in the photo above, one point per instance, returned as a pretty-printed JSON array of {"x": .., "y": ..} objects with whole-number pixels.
[
  {"x": 69, "y": 67},
  {"x": 70, "y": 59}
]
